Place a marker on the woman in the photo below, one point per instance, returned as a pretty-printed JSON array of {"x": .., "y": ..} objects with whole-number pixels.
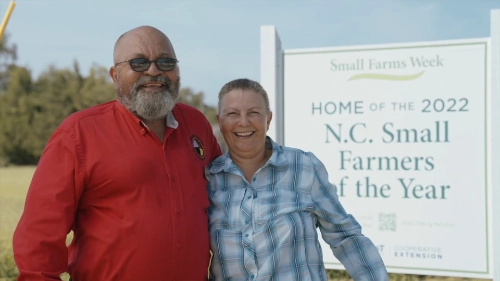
[{"x": 266, "y": 201}]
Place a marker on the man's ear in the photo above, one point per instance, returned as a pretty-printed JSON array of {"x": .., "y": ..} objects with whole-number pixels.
[{"x": 114, "y": 74}]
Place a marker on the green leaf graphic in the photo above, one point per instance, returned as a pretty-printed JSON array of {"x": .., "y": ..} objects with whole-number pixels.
[{"x": 386, "y": 76}]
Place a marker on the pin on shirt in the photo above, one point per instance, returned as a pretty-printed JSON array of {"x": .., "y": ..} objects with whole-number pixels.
[{"x": 198, "y": 147}]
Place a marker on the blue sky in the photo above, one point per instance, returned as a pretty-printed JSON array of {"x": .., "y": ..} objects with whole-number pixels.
[{"x": 217, "y": 41}]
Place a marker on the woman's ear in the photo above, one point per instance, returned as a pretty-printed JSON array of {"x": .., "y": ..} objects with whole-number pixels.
[{"x": 269, "y": 118}]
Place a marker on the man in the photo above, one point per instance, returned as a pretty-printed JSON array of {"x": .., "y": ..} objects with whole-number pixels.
[{"x": 127, "y": 176}]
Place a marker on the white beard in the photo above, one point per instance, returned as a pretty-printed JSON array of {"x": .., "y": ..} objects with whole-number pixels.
[{"x": 150, "y": 106}]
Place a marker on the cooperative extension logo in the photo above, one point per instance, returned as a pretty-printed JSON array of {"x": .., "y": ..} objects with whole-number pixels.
[
  {"x": 417, "y": 252},
  {"x": 410, "y": 251}
]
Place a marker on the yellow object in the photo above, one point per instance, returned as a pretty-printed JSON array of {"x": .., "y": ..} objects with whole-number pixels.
[{"x": 6, "y": 18}]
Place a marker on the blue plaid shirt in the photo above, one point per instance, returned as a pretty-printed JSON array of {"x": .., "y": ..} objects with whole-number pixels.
[{"x": 266, "y": 229}]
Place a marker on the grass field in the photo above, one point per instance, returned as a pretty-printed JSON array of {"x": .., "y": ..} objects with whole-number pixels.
[{"x": 14, "y": 183}]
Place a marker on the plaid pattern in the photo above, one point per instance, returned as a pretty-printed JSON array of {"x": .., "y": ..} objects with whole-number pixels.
[{"x": 266, "y": 229}]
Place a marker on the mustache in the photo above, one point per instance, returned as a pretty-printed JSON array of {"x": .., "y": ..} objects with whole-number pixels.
[{"x": 148, "y": 79}]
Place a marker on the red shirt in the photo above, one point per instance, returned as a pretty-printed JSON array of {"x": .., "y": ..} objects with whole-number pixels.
[{"x": 136, "y": 205}]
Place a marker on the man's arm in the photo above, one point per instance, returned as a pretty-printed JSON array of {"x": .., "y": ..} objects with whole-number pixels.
[
  {"x": 215, "y": 150},
  {"x": 342, "y": 232},
  {"x": 39, "y": 241}
]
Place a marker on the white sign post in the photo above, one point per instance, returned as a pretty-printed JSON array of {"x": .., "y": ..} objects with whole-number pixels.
[
  {"x": 495, "y": 137},
  {"x": 410, "y": 136},
  {"x": 271, "y": 69}
]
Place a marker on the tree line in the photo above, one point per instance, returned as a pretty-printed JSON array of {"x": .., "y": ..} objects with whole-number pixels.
[{"x": 32, "y": 108}]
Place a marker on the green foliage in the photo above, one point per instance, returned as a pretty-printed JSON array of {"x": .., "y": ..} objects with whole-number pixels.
[
  {"x": 211, "y": 114},
  {"x": 31, "y": 110},
  {"x": 8, "y": 269},
  {"x": 17, "y": 109},
  {"x": 8, "y": 56},
  {"x": 187, "y": 96},
  {"x": 338, "y": 275}
]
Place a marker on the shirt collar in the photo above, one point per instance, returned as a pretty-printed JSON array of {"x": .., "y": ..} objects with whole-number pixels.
[
  {"x": 171, "y": 121},
  {"x": 226, "y": 164}
]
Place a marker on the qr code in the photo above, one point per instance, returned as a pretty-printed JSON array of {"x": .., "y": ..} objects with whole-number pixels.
[{"x": 387, "y": 222}]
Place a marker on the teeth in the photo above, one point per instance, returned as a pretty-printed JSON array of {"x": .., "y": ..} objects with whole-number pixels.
[{"x": 244, "y": 134}]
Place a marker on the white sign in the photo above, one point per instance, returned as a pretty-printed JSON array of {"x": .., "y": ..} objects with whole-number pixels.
[{"x": 402, "y": 131}]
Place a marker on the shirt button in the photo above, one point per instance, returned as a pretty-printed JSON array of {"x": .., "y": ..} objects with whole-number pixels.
[
  {"x": 252, "y": 276},
  {"x": 178, "y": 245},
  {"x": 142, "y": 130},
  {"x": 178, "y": 211},
  {"x": 246, "y": 235},
  {"x": 254, "y": 179},
  {"x": 247, "y": 221},
  {"x": 249, "y": 197}
]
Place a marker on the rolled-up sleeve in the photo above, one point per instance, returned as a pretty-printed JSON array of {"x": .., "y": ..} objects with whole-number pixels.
[{"x": 342, "y": 232}]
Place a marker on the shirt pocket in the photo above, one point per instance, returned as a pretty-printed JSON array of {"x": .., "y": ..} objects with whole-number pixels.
[{"x": 225, "y": 209}]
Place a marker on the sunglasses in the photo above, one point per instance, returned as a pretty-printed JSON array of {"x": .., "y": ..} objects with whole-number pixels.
[{"x": 143, "y": 64}]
